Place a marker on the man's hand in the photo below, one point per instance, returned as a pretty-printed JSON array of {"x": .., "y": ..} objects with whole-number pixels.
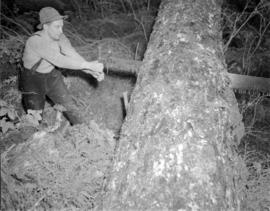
[{"x": 94, "y": 68}]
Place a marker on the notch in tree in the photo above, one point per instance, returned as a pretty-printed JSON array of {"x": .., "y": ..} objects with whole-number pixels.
[{"x": 177, "y": 146}]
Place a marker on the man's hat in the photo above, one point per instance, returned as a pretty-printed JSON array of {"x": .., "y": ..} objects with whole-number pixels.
[{"x": 47, "y": 15}]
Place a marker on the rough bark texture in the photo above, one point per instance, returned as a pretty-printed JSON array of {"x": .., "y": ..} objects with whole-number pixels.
[{"x": 176, "y": 149}]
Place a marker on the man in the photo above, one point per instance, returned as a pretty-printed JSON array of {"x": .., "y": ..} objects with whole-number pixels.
[{"x": 44, "y": 51}]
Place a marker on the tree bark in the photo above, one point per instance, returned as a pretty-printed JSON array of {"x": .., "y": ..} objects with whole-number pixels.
[{"x": 177, "y": 145}]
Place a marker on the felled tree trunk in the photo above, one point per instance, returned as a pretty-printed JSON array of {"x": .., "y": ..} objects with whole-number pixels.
[{"x": 177, "y": 143}]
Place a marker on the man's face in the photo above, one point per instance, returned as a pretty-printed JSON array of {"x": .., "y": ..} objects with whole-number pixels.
[{"x": 54, "y": 29}]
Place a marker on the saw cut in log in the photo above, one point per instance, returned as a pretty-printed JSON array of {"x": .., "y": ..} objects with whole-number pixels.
[{"x": 238, "y": 82}]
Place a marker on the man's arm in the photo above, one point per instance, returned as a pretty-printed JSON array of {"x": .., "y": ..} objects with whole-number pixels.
[
  {"x": 67, "y": 49},
  {"x": 52, "y": 54}
]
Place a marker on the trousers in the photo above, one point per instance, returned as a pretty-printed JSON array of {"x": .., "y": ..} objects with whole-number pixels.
[{"x": 36, "y": 86}]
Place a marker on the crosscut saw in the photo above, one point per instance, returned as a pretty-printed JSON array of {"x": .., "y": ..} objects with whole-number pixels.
[{"x": 239, "y": 83}]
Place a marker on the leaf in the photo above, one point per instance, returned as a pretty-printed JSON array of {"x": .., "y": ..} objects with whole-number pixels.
[
  {"x": 12, "y": 114},
  {"x": 10, "y": 80},
  {"x": 6, "y": 125},
  {"x": 30, "y": 119},
  {"x": 3, "y": 103},
  {"x": 3, "y": 111},
  {"x": 36, "y": 114}
]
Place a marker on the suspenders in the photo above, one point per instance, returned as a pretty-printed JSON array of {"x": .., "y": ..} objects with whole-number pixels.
[{"x": 36, "y": 65}]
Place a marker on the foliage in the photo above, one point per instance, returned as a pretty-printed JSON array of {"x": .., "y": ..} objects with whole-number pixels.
[
  {"x": 105, "y": 7},
  {"x": 13, "y": 36},
  {"x": 11, "y": 49},
  {"x": 7, "y": 114},
  {"x": 9, "y": 118},
  {"x": 257, "y": 181},
  {"x": 60, "y": 172},
  {"x": 246, "y": 30},
  {"x": 241, "y": 26},
  {"x": 255, "y": 151}
]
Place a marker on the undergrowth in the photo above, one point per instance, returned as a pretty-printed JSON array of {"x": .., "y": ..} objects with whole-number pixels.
[
  {"x": 11, "y": 118},
  {"x": 242, "y": 35},
  {"x": 255, "y": 151},
  {"x": 55, "y": 171}
]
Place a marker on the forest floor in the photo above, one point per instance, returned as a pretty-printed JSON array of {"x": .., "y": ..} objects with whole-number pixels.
[{"x": 61, "y": 166}]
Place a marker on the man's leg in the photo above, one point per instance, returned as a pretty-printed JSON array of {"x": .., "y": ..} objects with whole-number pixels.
[
  {"x": 59, "y": 94},
  {"x": 33, "y": 101},
  {"x": 33, "y": 91}
]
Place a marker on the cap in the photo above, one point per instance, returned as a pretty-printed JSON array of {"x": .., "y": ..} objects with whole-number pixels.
[{"x": 49, "y": 14}]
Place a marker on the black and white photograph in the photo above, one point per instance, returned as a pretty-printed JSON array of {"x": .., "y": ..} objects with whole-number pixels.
[{"x": 135, "y": 105}]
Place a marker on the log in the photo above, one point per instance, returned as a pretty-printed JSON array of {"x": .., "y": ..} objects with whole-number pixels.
[{"x": 176, "y": 149}]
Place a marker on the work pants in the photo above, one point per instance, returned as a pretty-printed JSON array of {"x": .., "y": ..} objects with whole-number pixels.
[{"x": 36, "y": 86}]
